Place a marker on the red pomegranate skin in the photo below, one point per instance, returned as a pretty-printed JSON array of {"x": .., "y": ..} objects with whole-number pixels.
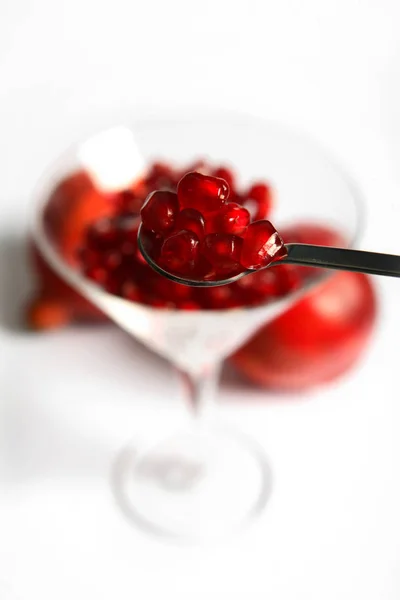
[
  {"x": 51, "y": 288},
  {"x": 317, "y": 340}
]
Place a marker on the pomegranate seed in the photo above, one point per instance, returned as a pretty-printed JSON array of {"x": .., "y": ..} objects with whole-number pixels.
[
  {"x": 261, "y": 245},
  {"x": 170, "y": 290},
  {"x": 202, "y": 192},
  {"x": 161, "y": 176},
  {"x": 263, "y": 282},
  {"x": 217, "y": 297},
  {"x": 88, "y": 257},
  {"x": 111, "y": 259},
  {"x": 203, "y": 240},
  {"x": 179, "y": 253},
  {"x": 160, "y": 303},
  {"x": 130, "y": 291},
  {"x": 142, "y": 275},
  {"x": 288, "y": 279},
  {"x": 129, "y": 201},
  {"x": 236, "y": 198},
  {"x": 222, "y": 250},
  {"x": 200, "y": 166},
  {"x": 152, "y": 243},
  {"x": 190, "y": 219},
  {"x": 188, "y": 305},
  {"x": 128, "y": 249},
  {"x": 47, "y": 314},
  {"x": 128, "y": 226},
  {"x": 241, "y": 294},
  {"x": 204, "y": 270},
  {"x": 233, "y": 219},
  {"x": 252, "y": 298},
  {"x": 159, "y": 211},
  {"x": 103, "y": 234},
  {"x": 160, "y": 169},
  {"x": 212, "y": 223},
  {"x": 113, "y": 284},
  {"x": 261, "y": 195},
  {"x": 227, "y": 174},
  {"x": 97, "y": 274},
  {"x": 222, "y": 297}
]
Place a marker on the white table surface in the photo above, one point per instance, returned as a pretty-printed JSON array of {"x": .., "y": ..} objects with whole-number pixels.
[{"x": 69, "y": 400}]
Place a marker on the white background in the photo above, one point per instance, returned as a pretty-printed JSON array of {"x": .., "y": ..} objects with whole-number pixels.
[{"x": 332, "y": 528}]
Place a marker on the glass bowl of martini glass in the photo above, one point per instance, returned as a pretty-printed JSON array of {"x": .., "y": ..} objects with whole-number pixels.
[{"x": 206, "y": 481}]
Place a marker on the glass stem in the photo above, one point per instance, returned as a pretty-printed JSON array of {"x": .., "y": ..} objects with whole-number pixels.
[{"x": 200, "y": 390}]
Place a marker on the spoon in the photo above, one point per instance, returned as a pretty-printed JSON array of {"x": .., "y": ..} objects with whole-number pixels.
[{"x": 305, "y": 255}]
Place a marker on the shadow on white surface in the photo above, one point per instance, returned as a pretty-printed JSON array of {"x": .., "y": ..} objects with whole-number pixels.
[
  {"x": 73, "y": 398},
  {"x": 6, "y": 592},
  {"x": 15, "y": 280}
]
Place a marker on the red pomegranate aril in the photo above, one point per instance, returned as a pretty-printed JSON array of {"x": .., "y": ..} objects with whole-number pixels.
[
  {"x": 188, "y": 305},
  {"x": 233, "y": 219},
  {"x": 170, "y": 290},
  {"x": 141, "y": 274},
  {"x": 97, "y": 274},
  {"x": 128, "y": 249},
  {"x": 103, "y": 234},
  {"x": 166, "y": 181},
  {"x": 190, "y": 219},
  {"x": 217, "y": 297},
  {"x": 227, "y": 174},
  {"x": 151, "y": 242},
  {"x": 228, "y": 271},
  {"x": 202, "y": 192},
  {"x": 159, "y": 211},
  {"x": 128, "y": 226},
  {"x": 264, "y": 282},
  {"x": 129, "y": 242},
  {"x": 179, "y": 252},
  {"x": 212, "y": 223},
  {"x": 259, "y": 192},
  {"x": 88, "y": 257},
  {"x": 204, "y": 269},
  {"x": 288, "y": 279},
  {"x": 113, "y": 284},
  {"x": 199, "y": 166},
  {"x": 262, "y": 244},
  {"x": 162, "y": 176},
  {"x": 130, "y": 291},
  {"x": 261, "y": 195},
  {"x": 222, "y": 250},
  {"x": 129, "y": 201},
  {"x": 47, "y": 314},
  {"x": 160, "y": 303},
  {"x": 159, "y": 170},
  {"x": 201, "y": 239},
  {"x": 111, "y": 259}
]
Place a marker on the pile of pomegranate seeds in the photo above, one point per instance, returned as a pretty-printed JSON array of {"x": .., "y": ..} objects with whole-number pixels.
[
  {"x": 196, "y": 221},
  {"x": 205, "y": 237}
]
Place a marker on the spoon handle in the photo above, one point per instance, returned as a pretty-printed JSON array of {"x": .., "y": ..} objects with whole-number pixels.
[{"x": 345, "y": 259}]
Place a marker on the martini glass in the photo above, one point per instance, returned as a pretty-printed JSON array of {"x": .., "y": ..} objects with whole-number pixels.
[{"x": 206, "y": 481}]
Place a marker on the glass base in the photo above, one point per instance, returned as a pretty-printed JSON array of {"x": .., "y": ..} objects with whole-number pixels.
[{"x": 203, "y": 484}]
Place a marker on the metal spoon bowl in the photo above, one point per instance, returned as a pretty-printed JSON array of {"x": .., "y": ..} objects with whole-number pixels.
[{"x": 305, "y": 255}]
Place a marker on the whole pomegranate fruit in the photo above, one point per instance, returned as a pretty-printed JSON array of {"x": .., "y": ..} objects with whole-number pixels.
[
  {"x": 320, "y": 337},
  {"x": 73, "y": 205},
  {"x": 55, "y": 303}
]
